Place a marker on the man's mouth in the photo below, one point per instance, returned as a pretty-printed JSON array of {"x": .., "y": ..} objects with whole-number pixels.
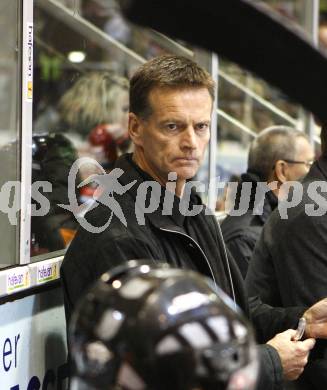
[{"x": 187, "y": 159}]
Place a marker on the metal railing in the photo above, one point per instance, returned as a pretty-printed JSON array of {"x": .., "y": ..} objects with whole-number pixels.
[
  {"x": 103, "y": 40},
  {"x": 85, "y": 28}
]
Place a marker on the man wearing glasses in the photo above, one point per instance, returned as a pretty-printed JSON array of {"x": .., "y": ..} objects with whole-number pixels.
[
  {"x": 279, "y": 154},
  {"x": 289, "y": 263}
]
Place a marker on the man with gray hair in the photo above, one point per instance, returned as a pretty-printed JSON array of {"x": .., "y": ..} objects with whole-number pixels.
[
  {"x": 279, "y": 154},
  {"x": 289, "y": 263}
]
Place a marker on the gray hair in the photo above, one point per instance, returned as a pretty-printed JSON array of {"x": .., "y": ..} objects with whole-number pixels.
[{"x": 272, "y": 144}]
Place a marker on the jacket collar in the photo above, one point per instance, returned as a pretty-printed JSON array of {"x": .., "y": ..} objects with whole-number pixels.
[
  {"x": 318, "y": 170},
  {"x": 157, "y": 217}
]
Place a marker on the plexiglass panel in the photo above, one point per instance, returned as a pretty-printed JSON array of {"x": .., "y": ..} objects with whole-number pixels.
[
  {"x": 9, "y": 131},
  {"x": 85, "y": 54},
  {"x": 79, "y": 110},
  {"x": 254, "y": 104}
]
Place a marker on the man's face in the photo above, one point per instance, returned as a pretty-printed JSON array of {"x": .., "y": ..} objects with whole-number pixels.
[
  {"x": 175, "y": 135},
  {"x": 304, "y": 155}
]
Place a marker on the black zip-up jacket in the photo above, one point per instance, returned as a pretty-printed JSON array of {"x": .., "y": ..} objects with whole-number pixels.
[
  {"x": 167, "y": 238},
  {"x": 241, "y": 232}
]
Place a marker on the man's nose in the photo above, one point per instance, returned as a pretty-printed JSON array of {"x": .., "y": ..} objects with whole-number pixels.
[{"x": 189, "y": 138}]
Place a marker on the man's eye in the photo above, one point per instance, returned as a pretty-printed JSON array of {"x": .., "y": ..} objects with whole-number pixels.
[
  {"x": 171, "y": 126},
  {"x": 202, "y": 126}
]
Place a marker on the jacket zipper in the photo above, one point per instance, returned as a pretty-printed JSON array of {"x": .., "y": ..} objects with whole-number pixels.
[
  {"x": 198, "y": 246},
  {"x": 207, "y": 261}
]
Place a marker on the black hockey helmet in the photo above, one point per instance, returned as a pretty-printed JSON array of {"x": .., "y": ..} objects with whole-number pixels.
[
  {"x": 43, "y": 143},
  {"x": 148, "y": 326},
  {"x": 39, "y": 146}
]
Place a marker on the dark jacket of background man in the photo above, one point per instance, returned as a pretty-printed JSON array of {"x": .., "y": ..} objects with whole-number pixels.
[
  {"x": 242, "y": 232},
  {"x": 289, "y": 264}
]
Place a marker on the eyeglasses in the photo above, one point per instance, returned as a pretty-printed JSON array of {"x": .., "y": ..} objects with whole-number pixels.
[{"x": 308, "y": 164}]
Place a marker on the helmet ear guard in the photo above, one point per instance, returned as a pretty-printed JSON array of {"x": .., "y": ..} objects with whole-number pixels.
[{"x": 152, "y": 327}]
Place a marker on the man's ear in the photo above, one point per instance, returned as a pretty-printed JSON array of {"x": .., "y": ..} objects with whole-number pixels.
[
  {"x": 281, "y": 169},
  {"x": 135, "y": 129}
]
